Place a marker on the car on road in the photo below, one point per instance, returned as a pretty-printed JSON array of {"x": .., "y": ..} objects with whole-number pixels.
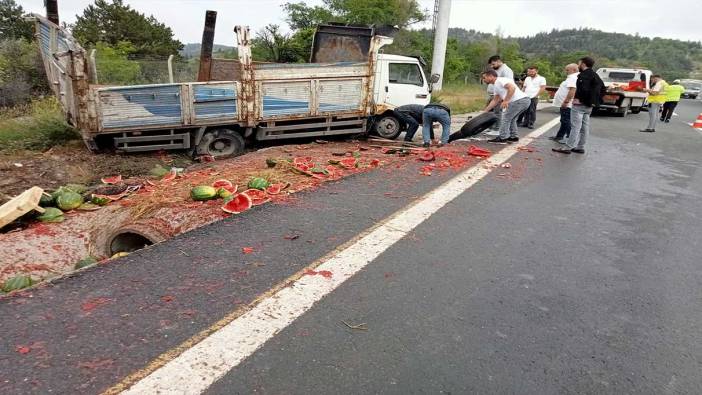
[{"x": 692, "y": 88}]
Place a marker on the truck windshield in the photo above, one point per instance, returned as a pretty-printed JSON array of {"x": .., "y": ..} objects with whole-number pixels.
[{"x": 619, "y": 76}]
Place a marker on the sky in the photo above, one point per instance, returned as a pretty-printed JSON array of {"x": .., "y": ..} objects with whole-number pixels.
[{"x": 679, "y": 19}]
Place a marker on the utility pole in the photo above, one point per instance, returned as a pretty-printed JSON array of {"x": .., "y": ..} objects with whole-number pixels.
[
  {"x": 206, "y": 46},
  {"x": 442, "y": 10},
  {"x": 52, "y": 11}
]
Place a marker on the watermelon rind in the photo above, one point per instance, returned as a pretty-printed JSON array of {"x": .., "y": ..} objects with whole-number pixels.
[
  {"x": 69, "y": 200},
  {"x": 16, "y": 282},
  {"x": 203, "y": 192}
]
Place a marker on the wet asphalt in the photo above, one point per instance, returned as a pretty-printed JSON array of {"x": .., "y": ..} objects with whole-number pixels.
[{"x": 577, "y": 274}]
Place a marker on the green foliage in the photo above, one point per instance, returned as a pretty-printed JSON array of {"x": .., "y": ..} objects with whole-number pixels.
[
  {"x": 114, "y": 22},
  {"x": 113, "y": 64},
  {"x": 21, "y": 72},
  {"x": 12, "y": 23},
  {"x": 400, "y": 13},
  {"x": 38, "y": 125},
  {"x": 270, "y": 45}
]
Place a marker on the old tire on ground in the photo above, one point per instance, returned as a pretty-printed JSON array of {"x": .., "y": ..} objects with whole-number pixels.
[
  {"x": 387, "y": 127},
  {"x": 474, "y": 126},
  {"x": 221, "y": 143}
]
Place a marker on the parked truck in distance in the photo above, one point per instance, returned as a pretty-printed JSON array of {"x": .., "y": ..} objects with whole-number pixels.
[
  {"x": 348, "y": 88},
  {"x": 624, "y": 90}
]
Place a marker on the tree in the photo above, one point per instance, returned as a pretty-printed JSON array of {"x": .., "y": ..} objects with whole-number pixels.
[
  {"x": 401, "y": 13},
  {"x": 271, "y": 45},
  {"x": 12, "y": 23},
  {"x": 114, "y": 22}
]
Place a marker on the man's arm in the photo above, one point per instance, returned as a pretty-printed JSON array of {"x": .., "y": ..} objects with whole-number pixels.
[
  {"x": 569, "y": 97},
  {"x": 510, "y": 92},
  {"x": 542, "y": 88},
  {"x": 492, "y": 104}
]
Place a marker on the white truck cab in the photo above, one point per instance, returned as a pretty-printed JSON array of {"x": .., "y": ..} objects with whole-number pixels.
[
  {"x": 624, "y": 89},
  {"x": 399, "y": 80}
]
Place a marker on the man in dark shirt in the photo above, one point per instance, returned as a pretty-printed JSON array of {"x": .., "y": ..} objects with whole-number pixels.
[
  {"x": 436, "y": 112},
  {"x": 588, "y": 93},
  {"x": 411, "y": 114}
]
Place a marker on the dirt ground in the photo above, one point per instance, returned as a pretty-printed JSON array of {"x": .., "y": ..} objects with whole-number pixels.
[{"x": 73, "y": 163}]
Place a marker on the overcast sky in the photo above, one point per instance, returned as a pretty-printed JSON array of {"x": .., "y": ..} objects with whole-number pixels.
[{"x": 681, "y": 19}]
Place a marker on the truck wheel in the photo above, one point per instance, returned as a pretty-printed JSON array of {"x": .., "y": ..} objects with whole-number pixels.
[
  {"x": 636, "y": 110},
  {"x": 221, "y": 143},
  {"x": 387, "y": 127},
  {"x": 623, "y": 113}
]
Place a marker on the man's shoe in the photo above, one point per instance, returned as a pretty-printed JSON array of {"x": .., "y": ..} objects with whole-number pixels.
[
  {"x": 440, "y": 144},
  {"x": 578, "y": 150},
  {"x": 530, "y": 127},
  {"x": 647, "y": 130},
  {"x": 561, "y": 150},
  {"x": 554, "y": 138},
  {"x": 512, "y": 139},
  {"x": 498, "y": 140},
  {"x": 426, "y": 145},
  {"x": 667, "y": 121}
]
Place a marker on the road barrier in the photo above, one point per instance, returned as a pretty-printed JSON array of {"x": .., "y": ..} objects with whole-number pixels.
[{"x": 698, "y": 122}]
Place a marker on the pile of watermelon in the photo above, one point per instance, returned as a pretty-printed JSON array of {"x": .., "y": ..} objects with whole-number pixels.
[{"x": 258, "y": 192}]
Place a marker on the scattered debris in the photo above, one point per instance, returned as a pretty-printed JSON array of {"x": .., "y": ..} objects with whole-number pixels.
[
  {"x": 247, "y": 250},
  {"x": 323, "y": 273},
  {"x": 477, "y": 151},
  {"x": 360, "y": 327},
  {"x": 505, "y": 165}
]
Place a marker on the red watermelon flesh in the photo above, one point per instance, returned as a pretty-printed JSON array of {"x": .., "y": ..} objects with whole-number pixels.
[
  {"x": 374, "y": 163},
  {"x": 257, "y": 196},
  {"x": 112, "y": 180},
  {"x": 238, "y": 204},
  {"x": 230, "y": 188},
  {"x": 426, "y": 156},
  {"x": 300, "y": 160},
  {"x": 170, "y": 176},
  {"x": 275, "y": 189},
  {"x": 348, "y": 163},
  {"x": 222, "y": 184}
]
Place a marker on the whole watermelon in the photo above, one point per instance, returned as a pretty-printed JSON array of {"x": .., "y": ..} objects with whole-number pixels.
[
  {"x": 46, "y": 200},
  {"x": 100, "y": 200},
  {"x": 258, "y": 183},
  {"x": 203, "y": 192},
  {"x": 17, "y": 282},
  {"x": 69, "y": 200},
  {"x": 51, "y": 214}
]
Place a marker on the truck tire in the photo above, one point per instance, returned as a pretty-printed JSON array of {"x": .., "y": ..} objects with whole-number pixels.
[
  {"x": 636, "y": 110},
  {"x": 387, "y": 126},
  {"x": 220, "y": 143},
  {"x": 624, "y": 113},
  {"x": 474, "y": 126}
]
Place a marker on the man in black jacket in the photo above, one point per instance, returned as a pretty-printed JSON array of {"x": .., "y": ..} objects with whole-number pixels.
[{"x": 588, "y": 93}]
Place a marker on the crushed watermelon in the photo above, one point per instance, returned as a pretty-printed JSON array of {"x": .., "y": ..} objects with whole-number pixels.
[{"x": 238, "y": 204}]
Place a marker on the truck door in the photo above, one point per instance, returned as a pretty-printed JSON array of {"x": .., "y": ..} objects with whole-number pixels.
[{"x": 406, "y": 84}]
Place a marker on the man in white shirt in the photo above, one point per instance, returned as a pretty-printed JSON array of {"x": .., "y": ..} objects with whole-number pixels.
[
  {"x": 504, "y": 71},
  {"x": 511, "y": 101},
  {"x": 564, "y": 99},
  {"x": 534, "y": 86}
]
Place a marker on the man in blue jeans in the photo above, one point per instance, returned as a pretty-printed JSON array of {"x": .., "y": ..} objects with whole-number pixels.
[
  {"x": 436, "y": 112},
  {"x": 564, "y": 99},
  {"x": 588, "y": 93},
  {"x": 512, "y": 101},
  {"x": 412, "y": 116}
]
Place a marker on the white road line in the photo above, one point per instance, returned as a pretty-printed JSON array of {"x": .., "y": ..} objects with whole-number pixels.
[{"x": 197, "y": 368}]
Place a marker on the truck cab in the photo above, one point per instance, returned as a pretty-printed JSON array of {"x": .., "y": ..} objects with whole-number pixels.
[{"x": 399, "y": 80}]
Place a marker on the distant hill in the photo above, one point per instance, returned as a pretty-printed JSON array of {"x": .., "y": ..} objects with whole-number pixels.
[
  {"x": 192, "y": 50},
  {"x": 669, "y": 57}
]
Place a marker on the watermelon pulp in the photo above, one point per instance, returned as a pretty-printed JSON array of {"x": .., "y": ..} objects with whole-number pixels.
[
  {"x": 257, "y": 196},
  {"x": 112, "y": 180},
  {"x": 238, "y": 204}
]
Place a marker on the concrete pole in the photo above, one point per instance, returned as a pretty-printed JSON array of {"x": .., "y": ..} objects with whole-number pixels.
[
  {"x": 206, "y": 47},
  {"x": 52, "y": 11},
  {"x": 440, "y": 39}
]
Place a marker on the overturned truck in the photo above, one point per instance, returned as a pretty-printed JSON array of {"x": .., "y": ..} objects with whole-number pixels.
[{"x": 349, "y": 88}]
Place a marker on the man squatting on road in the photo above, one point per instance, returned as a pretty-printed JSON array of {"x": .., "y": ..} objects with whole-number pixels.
[
  {"x": 412, "y": 116},
  {"x": 514, "y": 102}
]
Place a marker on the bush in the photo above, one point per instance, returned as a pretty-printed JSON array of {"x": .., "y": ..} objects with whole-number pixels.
[
  {"x": 21, "y": 72},
  {"x": 38, "y": 125}
]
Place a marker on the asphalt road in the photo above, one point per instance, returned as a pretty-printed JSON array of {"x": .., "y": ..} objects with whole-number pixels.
[{"x": 563, "y": 274}]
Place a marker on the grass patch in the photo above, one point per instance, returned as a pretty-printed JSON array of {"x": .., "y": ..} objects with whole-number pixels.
[
  {"x": 38, "y": 125},
  {"x": 462, "y": 98}
]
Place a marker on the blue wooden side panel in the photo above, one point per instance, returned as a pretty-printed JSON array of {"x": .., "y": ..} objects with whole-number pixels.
[
  {"x": 215, "y": 101},
  {"x": 45, "y": 39},
  {"x": 286, "y": 98},
  {"x": 135, "y": 106}
]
